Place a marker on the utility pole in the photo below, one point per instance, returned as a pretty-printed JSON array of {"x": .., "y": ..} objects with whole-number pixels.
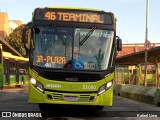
[{"x": 147, "y": 45}]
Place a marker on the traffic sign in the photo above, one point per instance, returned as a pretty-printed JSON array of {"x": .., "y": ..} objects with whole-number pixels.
[{"x": 147, "y": 45}]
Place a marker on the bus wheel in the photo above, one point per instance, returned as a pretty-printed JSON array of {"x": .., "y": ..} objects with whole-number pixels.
[
  {"x": 99, "y": 107},
  {"x": 47, "y": 109},
  {"x": 43, "y": 109}
]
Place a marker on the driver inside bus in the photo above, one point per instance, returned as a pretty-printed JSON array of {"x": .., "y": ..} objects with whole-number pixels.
[
  {"x": 50, "y": 51},
  {"x": 55, "y": 48}
]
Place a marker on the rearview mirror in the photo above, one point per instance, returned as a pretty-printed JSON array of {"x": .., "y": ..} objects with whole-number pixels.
[
  {"x": 119, "y": 44},
  {"x": 37, "y": 30},
  {"x": 26, "y": 36}
]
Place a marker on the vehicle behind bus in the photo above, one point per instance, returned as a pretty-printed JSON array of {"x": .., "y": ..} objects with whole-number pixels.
[
  {"x": 151, "y": 73},
  {"x": 13, "y": 70}
]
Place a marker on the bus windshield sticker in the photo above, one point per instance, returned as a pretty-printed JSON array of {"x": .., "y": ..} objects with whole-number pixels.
[{"x": 51, "y": 59}]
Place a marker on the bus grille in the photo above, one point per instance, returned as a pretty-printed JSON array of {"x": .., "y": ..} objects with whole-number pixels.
[
  {"x": 59, "y": 96},
  {"x": 84, "y": 97},
  {"x": 77, "y": 77},
  {"x": 70, "y": 75}
]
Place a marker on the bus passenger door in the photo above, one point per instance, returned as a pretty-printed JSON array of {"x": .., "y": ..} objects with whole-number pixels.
[
  {"x": 17, "y": 73},
  {"x": 7, "y": 72}
]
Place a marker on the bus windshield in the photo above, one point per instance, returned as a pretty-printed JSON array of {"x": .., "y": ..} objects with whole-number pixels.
[{"x": 50, "y": 52}]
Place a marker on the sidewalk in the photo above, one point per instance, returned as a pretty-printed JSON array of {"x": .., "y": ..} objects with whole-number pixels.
[
  {"x": 140, "y": 93},
  {"x": 23, "y": 89}
]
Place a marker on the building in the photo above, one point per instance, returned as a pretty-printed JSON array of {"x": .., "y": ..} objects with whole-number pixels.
[
  {"x": 14, "y": 24},
  {"x": 134, "y": 47},
  {"x": 7, "y": 26},
  {"x": 4, "y": 27}
]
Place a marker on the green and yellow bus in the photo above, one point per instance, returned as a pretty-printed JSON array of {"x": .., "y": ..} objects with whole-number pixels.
[
  {"x": 151, "y": 73},
  {"x": 72, "y": 54},
  {"x": 13, "y": 70},
  {"x": 122, "y": 74}
]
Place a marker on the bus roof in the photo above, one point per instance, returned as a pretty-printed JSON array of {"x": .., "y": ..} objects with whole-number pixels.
[
  {"x": 9, "y": 55},
  {"x": 75, "y": 8}
]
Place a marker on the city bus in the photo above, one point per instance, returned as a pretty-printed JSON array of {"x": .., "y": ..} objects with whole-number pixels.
[
  {"x": 72, "y": 54},
  {"x": 13, "y": 70}
]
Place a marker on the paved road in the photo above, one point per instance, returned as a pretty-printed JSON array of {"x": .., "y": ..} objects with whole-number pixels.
[{"x": 126, "y": 109}]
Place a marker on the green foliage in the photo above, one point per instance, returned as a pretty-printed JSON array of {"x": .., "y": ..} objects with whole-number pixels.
[{"x": 15, "y": 40}]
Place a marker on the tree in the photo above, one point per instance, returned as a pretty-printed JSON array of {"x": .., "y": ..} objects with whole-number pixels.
[{"x": 15, "y": 40}]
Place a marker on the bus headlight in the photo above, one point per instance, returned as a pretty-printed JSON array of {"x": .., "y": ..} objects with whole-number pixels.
[
  {"x": 109, "y": 84},
  {"x": 37, "y": 84},
  {"x": 102, "y": 89},
  {"x": 33, "y": 81},
  {"x": 105, "y": 87}
]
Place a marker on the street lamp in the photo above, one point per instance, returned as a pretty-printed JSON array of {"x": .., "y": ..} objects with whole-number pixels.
[{"x": 146, "y": 45}]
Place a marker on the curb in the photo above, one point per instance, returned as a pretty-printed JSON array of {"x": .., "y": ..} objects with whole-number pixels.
[{"x": 140, "y": 93}]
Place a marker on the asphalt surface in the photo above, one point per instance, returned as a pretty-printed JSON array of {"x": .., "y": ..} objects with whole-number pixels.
[{"x": 14, "y": 101}]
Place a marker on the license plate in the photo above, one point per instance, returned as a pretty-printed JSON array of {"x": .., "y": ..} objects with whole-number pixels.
[{"x": 71, "y": 98}]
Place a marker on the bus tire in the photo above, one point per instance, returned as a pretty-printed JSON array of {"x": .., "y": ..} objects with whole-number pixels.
[
  {"x": 43, "y": 109},
  {"x": 99, "y": 107},
  {"x": 48, "y": 109}
]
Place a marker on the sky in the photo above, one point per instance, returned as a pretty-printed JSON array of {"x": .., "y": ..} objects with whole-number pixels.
[{"x": 131, "y": 14}]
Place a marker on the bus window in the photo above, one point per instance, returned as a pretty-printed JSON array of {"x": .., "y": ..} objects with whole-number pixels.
[
  {"x": 12, "y": 68},
  {"x": 23, "y": 68}
]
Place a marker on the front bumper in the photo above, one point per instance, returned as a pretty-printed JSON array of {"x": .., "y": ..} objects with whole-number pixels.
[{"x": 58, "y": 97}]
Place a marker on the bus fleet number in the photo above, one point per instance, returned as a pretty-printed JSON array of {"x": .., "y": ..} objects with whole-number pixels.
[{"x": 89, "y": 87}]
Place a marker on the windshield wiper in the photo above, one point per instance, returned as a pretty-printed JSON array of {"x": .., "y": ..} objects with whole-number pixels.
[
  {"x": 59, "y": 34},
  {"x": 87, "y": 36}
]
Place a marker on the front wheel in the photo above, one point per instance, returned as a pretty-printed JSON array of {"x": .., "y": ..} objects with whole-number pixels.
[
  {"x": 46, "y": 109},
  {"x": 99, "y": 107},
  {"x": 43, "y": 109}
]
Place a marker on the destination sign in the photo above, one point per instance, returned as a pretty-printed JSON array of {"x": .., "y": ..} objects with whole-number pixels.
[
  {"x": 51, "y": 59},
  {"x": 71, "y": 15}
]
